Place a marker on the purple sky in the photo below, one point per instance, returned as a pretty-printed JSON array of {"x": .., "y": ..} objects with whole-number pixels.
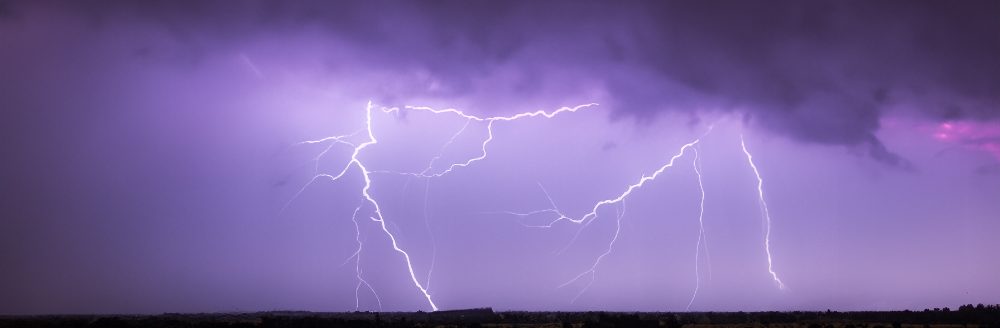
[{"x": 151, "y": 149}]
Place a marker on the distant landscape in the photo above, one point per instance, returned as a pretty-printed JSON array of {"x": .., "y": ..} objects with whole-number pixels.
[{"x": 966, "y": 316}]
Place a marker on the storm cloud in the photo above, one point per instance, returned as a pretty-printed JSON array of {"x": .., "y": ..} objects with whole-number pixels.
[{"x": 818, "y": 71}]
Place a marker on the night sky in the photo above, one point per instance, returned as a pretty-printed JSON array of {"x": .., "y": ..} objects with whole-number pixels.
[{"x": 157, "y": 156}]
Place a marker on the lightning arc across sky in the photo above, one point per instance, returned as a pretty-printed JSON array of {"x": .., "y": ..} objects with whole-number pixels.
[
  {"x": 373, "y": 208},
  {"x": 593, "y": 214}
]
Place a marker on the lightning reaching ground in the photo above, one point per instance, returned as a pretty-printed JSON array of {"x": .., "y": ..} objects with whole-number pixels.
[
  {"x": 373, "y": 208},
  {"x": 702, "y": 239},
  {"x": 427, "y": 189},
  {"x": 426, "y": 173},
  {"x": 764, "y": 212},
  {"x": 368, "y": 199},
  {"x": 376, "y": 210}
]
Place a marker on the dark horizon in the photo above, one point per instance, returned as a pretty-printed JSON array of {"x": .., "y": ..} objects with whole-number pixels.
[{"x": 980, "y": 316}]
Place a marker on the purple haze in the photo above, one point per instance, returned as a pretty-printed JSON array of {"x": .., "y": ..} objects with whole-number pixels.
[{"x": 151, "y": 147}]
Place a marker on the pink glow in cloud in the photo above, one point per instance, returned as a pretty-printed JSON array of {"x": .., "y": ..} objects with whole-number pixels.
[{"x": 982, "y": 136}]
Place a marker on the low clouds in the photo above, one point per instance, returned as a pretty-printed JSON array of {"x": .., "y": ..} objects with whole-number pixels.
[{"x": 821, "y": 72}]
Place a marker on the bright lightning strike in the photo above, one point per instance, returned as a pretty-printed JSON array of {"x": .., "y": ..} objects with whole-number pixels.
[
  {"x": 702, "y": 242},
  {"x": 593, "y": 214},
  {"x": 426, "y": 173},
  {"x": 376, "y": 210},
  {"x": 368, "y": 199},
  {"x": 489, "y": 132},
  {"x": 590, "y": 216},
  {"x": 765, "y": 212}
]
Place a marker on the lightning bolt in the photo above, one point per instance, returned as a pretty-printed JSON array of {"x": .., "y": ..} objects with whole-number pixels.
[
  {"x": 764, "y": 212},
  {"x": 702, "y": 239},
  {"x": 426, "y": 173},
  {"x": 593, "y": 268},
  {"x": 485, "y": 143},
  {"x": 357, "y": 265},
  {"x": 374, "y": 209},
  {"x": 427, "y": 189},
  {"x": 368, "y": 199},
  {"x": 590, "y": 216},
  {"x": 593, "y": 214},
  {"x": 427, "y": 226}
]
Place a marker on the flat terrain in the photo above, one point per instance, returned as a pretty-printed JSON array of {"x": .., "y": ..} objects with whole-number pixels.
[{"x": 488, "y": 318}]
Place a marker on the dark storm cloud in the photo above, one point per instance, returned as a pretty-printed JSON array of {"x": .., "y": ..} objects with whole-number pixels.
[
  {"x": 817, "y": 71},
  {"x": 4, "y": 9}
]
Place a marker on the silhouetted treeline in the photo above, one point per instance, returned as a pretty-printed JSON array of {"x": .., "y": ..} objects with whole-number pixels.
[{"x": 969, "y": 316}]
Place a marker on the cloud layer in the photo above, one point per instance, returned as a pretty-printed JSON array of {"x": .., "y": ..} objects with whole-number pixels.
[{"x": 820, "y": 71}]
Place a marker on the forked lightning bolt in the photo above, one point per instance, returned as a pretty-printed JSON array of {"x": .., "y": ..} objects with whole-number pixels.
[
  {"x": 489, "y": 132},
  {"x": 357, "y": 265},
  {"x": 702, "y": 242},
  {"x": 428, "y": 173},
  {"x": 427, "y": 190},
  {"x": 593, "y": 268},
  {"x": 590, "y": 216},
  {"x": 593, "y": 214},
  {"x": 764, "y": 212},
  {"x": 376, "y": 210}
]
